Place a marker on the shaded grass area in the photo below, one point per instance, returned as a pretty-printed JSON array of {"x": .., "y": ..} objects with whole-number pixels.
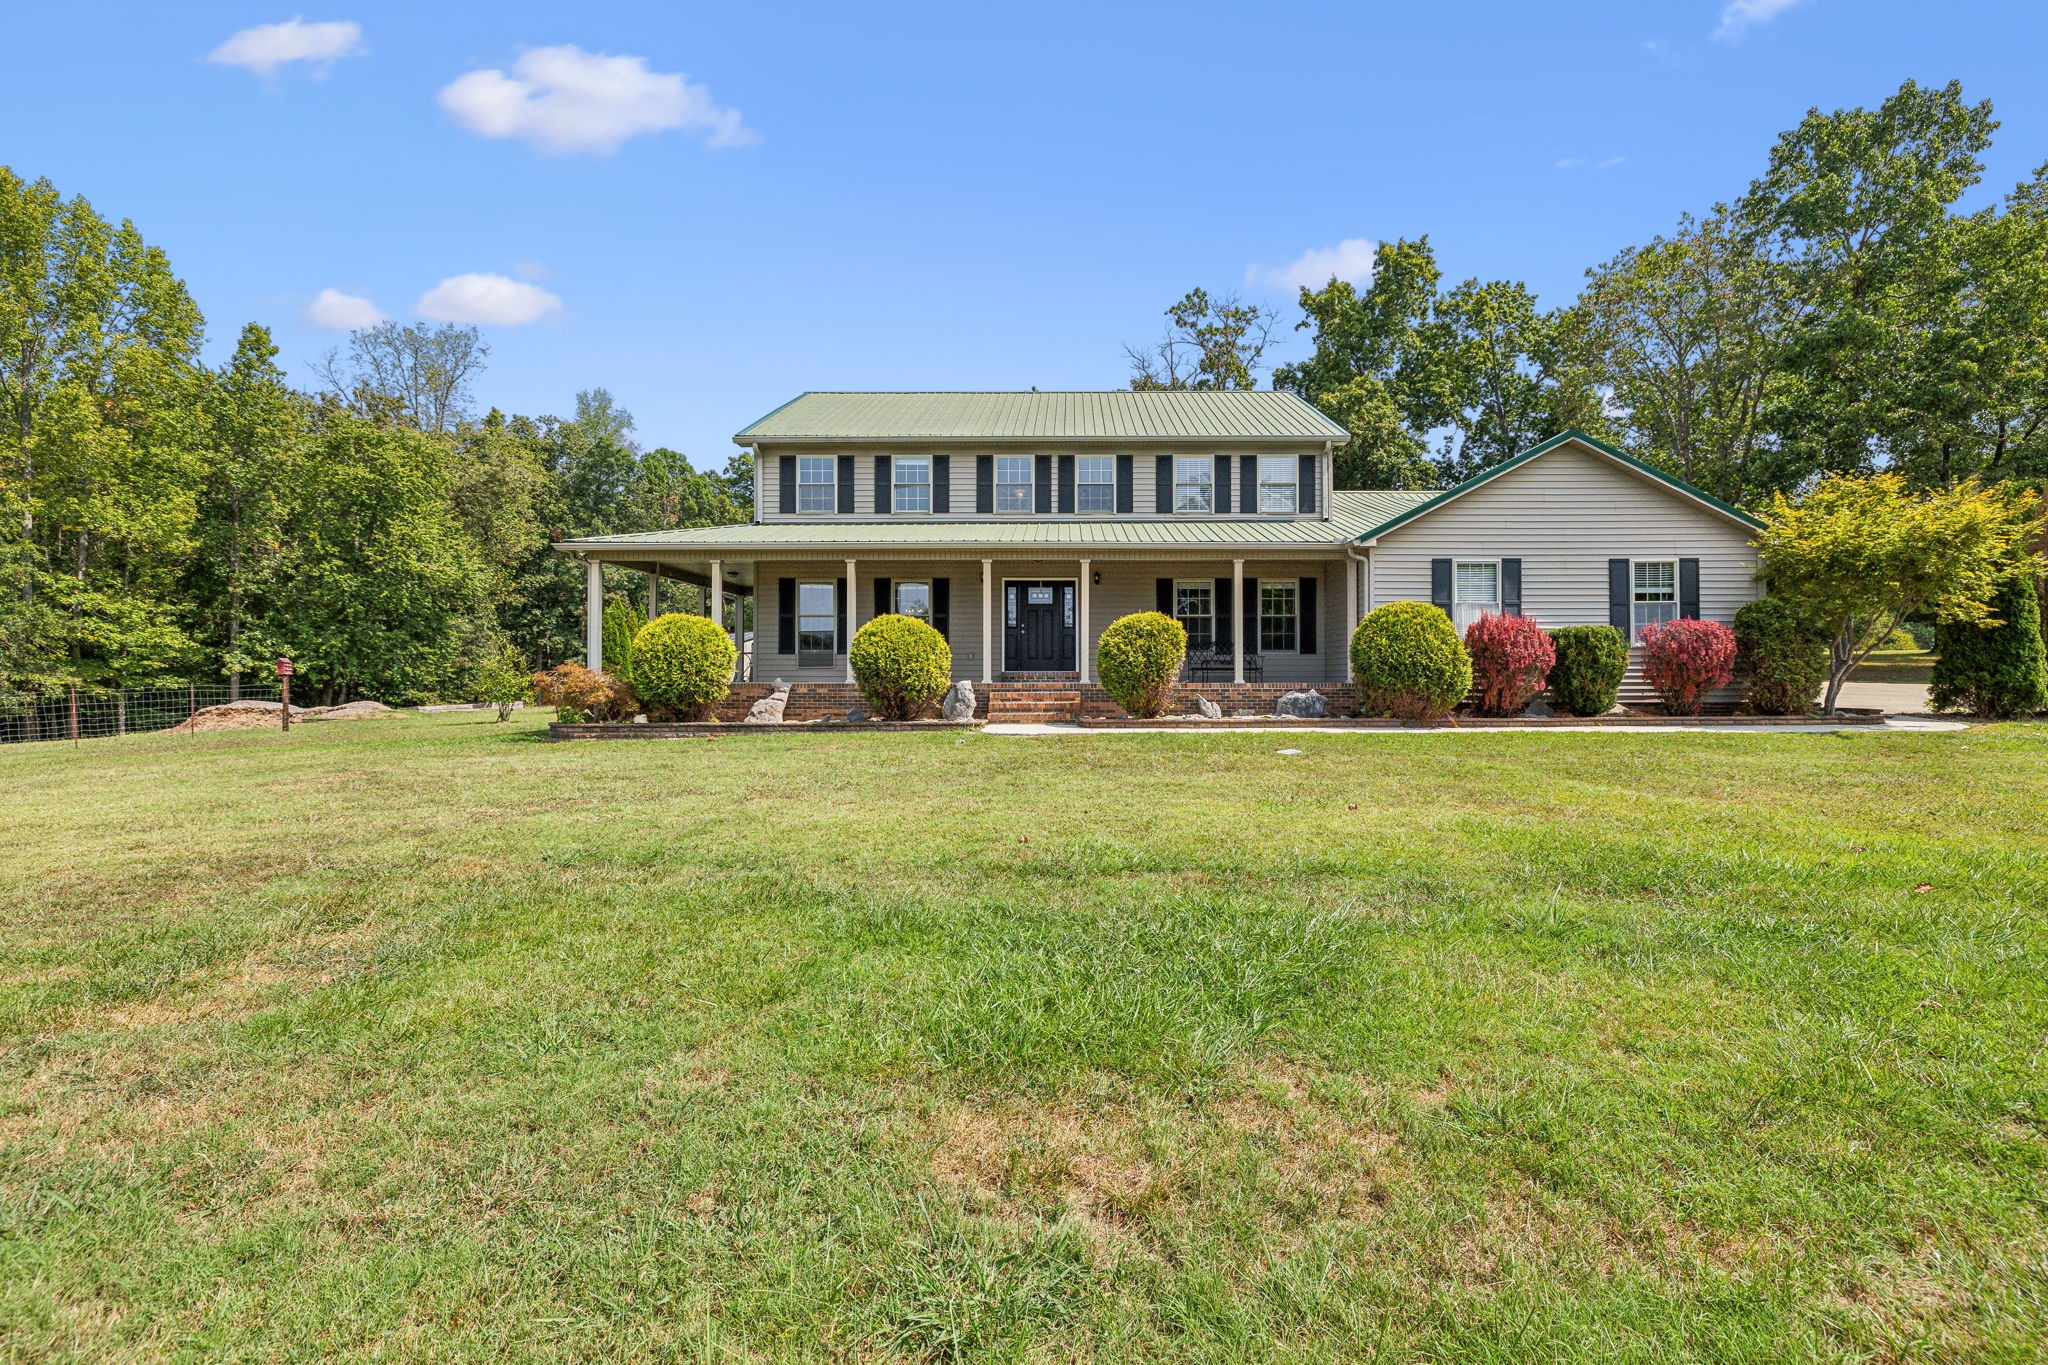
[{"x": 422, "y": 1039}]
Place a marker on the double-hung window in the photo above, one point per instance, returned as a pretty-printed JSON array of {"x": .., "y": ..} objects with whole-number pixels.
[
  {"x": 1095, "y": 483},
  {"x": 1475, "y": 591},
  {"x": 817, "y": 624},
  {"x": 1279, "y": 483},
  {"x": 817, "y": 484},
  {"x": 1013, "y": 483},
  {"x": 1656, "y": 593},
  {"x": 1194, "y": 606},
  {"x": 1278, "y": 628},
  {"x": 1194, "y": 483},
  {"x": 913, "y": 475},
  {"x": 914, "y": 599}
]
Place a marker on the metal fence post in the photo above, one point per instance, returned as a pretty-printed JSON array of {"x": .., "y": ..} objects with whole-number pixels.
[{"x": 74, "y": 715}]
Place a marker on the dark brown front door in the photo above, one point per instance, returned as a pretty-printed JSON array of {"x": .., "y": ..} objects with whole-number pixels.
[{"x": 1038, "y": 627}]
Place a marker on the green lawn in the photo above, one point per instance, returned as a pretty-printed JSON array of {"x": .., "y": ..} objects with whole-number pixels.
[
  {"x": 421, "y": 1039},
  {"x": 1896, "y": 666}
]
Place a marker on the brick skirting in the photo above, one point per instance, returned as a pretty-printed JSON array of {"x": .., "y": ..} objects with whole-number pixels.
[{"x": 819, "y": 701}]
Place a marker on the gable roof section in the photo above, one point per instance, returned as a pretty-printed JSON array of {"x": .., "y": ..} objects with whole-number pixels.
[
  {"x": 1677, "y": 486},
  {"x": 1156, "y": 415}
]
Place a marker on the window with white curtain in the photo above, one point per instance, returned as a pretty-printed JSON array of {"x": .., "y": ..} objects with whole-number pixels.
[
  {"x": 1194, "y": 483},
  {"x": 1279, "y": 483},
  {"x": 1475, "y": 591},
  {"x": 1656, "y": 594}
]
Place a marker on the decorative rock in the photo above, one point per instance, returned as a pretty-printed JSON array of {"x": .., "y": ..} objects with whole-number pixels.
[
  {"x": 769, "y": 710},
  {"x": 1208, "y": 710},
  {"x": 958, "y": 703},
  {"x": 857, "y": 715},
  {"x": 1539, "y": 707},
  {"x": 1307, "y": 704}
]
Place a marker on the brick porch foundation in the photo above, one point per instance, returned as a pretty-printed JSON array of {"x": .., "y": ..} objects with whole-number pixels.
[{"x": 810, "y": 701}]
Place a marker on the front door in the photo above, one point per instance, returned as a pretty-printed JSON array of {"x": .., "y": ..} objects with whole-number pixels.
[{"x": 1038, "y": 627}]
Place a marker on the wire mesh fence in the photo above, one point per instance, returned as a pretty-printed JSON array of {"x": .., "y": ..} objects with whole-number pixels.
[{"x": 70, "y": 715}]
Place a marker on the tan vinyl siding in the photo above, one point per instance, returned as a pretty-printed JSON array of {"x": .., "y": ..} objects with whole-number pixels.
[{"x": 1128, "y": 587}]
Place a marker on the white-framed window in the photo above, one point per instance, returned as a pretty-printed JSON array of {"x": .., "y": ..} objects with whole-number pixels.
[
  {"x": 1475, "y": 591},
  {"x": 1194, "y": 483},
  {"x": 817, "y": 483},
  {"x": 1013, "y": 483},
  {"x": 1194, "y": 606},
  {"x": 1095, "y": 483},
  {"x": 1656, "y": 594},
  {"x": 1278, "y": 621},
  {"x": 914, "y": 599},
  {"x": 817, "y": 623},
  {"x": 1279, "y": 483},
  {"x": 913, "y": 477}
]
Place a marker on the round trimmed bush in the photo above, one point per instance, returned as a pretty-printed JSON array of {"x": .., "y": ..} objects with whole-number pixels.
[
  {"x": 902, "y": 665},
  {"x": 683, "y": 664},
  {"x": 1781, "y": 656},
  {"x": 1999, "y": 670},
  {"x": 1585, "y": 679},
  {"x": 1137, "y": 659},
  {"x": 1409, "y": 662},
  {"x": 1685, "y": 659},
  {"x": 1511, "y": 656}
]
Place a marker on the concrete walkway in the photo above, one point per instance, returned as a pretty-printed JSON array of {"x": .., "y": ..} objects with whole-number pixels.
[
  {"x": 1893, "y": 724},
  {"x": 1890, "y": 698}
]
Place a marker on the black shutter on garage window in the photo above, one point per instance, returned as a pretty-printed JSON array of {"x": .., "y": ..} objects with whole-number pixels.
[
  {"x": 1042, "y": 503},
  {"x": 942, "y": 483},
  {"x": 1125, "y": 477},
  {"x": 785, "y": 616},
  {"x": 1066, "y": 498},
  {"x": 1305, "y": 497},
  {"x": 984, "y": 484},
  {"x": 1305, "y": 603},
  {"x": 1440, "y": 584},
  {"x": 1165, "y": 599},
  {"x": 1689, "y": 589},
  {"x": 1511, "y": 587},
  {"x": 1250, "y": 608},
  {"x": 1222, "y": 502},
  {"x": 1162, "y": 484},
  {"x": 1223, "y": 613},
  {"x": 1248, "y": 483},
  {"x": 785, "y": 485},
  {"x": 846, "y": 483},
  {"x": 942, "y": 607},
  {"x": 839, "y": 624},
  {"x": 1618, "y": 596},
  {"x": 885, "y": 483},
  {"x": 882, "y": 604}
]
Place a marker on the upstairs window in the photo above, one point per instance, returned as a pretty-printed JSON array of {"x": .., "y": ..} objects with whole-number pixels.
[
  {"x": 817, "y": 484},
  {"x": 1013, "y": 483},
  {"x": 1194, "y": 483},
  {"x": 1194, "y": 606},
  {"x": 1475, "y": 591},
  {"x": 1279, "y": 484},
  {"x": 817, "y": 624},
  {"x": 1656, "y": 593},
  {"x": 913, "y": 475},
  {"x": 914, "y": 599},
  {"x": 1095, "y": 483},
  {"x": 1277, "y": 629}
]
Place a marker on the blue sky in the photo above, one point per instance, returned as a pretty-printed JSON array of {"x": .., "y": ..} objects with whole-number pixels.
[{"x": 749, "y": 200}]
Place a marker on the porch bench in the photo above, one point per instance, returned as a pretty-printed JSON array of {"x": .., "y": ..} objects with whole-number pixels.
[{"x": 1216, "y": 665}]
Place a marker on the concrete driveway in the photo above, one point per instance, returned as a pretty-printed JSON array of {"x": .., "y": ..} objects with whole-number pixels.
[{"x": 1891, "y": 698}]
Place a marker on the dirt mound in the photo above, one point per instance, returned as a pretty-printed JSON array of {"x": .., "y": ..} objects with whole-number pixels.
[
  {"x": 249, "y": 714},
  {"x": 348, "y": 710}
]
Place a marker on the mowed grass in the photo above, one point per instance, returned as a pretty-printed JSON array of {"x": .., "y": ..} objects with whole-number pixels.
[{"x": 422, "y": 1039}]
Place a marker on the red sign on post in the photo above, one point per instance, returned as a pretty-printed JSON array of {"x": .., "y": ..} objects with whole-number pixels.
[{"x": 284, "y": 667}]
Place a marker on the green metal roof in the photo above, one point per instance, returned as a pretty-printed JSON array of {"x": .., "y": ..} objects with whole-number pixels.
[
  {"x": 1118, "y": 414},
  {"x": 1430, "y": 502},
  {"x": 1351, "y": 513}
]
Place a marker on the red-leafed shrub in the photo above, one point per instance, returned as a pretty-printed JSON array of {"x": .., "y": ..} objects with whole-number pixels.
[
  {"x": 1511, "y": 659},
  {"x": 1685, "y": 659},
  {"x": 576, "y": 693}
]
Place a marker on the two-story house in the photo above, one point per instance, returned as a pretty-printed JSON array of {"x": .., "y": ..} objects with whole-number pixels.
[{"x": 1021, "y": 524}]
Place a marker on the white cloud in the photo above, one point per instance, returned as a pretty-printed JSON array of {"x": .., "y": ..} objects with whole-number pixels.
[
  {"x": 1351, "y": 259},
  {"x": 1739, "y": 16},
  {"x": 1575, "y": 163},
  {"x": 530, "y": 270},
  {"x": 563, "y": 99},
  {"x": 333, "y": 311},
  {"x": 489, "y": 299},
  {"x": 266, "y": 47}
]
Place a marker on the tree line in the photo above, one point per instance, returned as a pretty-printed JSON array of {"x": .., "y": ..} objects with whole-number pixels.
[
  {"x": 162, "y": 520},
  {"x": 1842, "y": 315}
]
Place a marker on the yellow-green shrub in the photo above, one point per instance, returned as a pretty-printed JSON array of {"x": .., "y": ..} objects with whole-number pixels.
[
  {"x": 901, "y": 664},
  {"x": 1409, "y": 662},
  {"x": 1137, "y": 659},
  {"x": 683, "y": 664}
]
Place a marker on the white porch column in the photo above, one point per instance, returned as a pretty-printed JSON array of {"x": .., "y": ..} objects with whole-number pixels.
[
  {"x": 852, "y": 615},
  {"x": 1236, "y": 610},
  {"x": 1351, "y": 568},
  {"x": 593, "y": 613},
  {"x": 716, "y": 597},
  {"x": 988, "y": 619},
  {"x": 1081, "y": 638},
  {"x": 654, "y": 592}
]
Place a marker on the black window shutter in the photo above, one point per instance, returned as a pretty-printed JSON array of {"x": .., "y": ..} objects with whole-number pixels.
[
  {"x": 1162, "y": 485},
  {"x": 942, "y": 607},
  {"x": 785, "y": 486},
  {"x": 1248, "y": 483},
  {"x": 1440, "y": 583},
  {"x": 984, "y": 483},
  {"x": 1689, "y": 589},
  {"x": 883, "y": 606},
  {"x": 1618, "y": 594},
  {"x": 1511, "y": 587},
  {"x": 785, "y": 616},
  {"x": 839, "y": 624},
  {"x": 1251, "y": 615},
  {"x": 885, "y": 483},
  {"x": 846, "y": 483},
  {"x": 1305, "y": 495},
  {"x": 1066, "y": 484},
  {"x": 1305, "y": 603},
  {"x": 1222, "y": 503},
  {"x": 942, "y": 483},
  {"x": 1125, "y": 476},
  {"x": 1042, "y": 468},
  {"x": 1223, "y": 613},
  {"x": 1165, "y": 588}
]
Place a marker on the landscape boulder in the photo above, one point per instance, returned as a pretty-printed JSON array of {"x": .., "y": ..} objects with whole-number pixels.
[
  {"x": 1306, "y": 704},
  {"x": 769, "y": 710},
  {"x": 958, "y": 703},
  {"x": 1206, "y": 709}
]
